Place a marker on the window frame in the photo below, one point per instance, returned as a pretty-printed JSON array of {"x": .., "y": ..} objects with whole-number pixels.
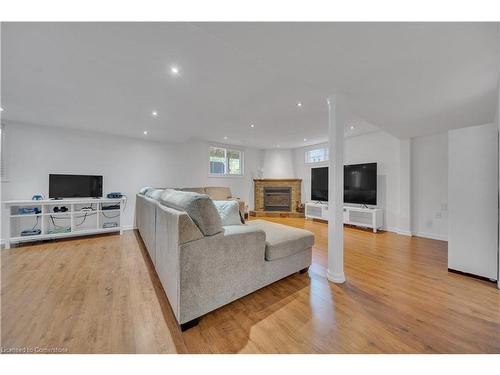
[
  {"x": 226, "y": 149},
  {"x": 307, "y": 151}
]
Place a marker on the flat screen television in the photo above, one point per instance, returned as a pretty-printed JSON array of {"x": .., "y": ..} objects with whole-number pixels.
[
  {"x": 319, "y": 184},
  {"x": 74, "y": 186},
  {"x": 360, "y": 183}
]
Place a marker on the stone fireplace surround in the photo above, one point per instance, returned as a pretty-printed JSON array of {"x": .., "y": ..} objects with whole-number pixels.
[{"x": 272, "y": 185}]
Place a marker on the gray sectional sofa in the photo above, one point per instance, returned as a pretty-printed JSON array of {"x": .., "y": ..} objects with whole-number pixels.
[{"x": 204, "y": 265}]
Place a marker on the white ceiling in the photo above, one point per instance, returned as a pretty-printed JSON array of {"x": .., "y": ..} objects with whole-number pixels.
[{"x": 407, "y": 79}]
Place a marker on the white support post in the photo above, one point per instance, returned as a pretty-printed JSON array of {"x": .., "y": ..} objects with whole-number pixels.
[{"x": 337, "y": 109}]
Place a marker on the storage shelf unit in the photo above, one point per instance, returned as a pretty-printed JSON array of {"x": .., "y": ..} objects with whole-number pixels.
[
  {"x": 71, "y": 220},
  {"x": 363, "y": 217}
]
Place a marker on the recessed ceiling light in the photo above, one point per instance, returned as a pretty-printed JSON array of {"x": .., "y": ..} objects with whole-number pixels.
[
  {"x": 174, "y": 70},
  {"x": 154, "y": 114},
  {"x": 1, "y": 109},
  {"x": 145, "y": 132},
  {"x": 252, "y": 125},
  {"x": 351, "y": 127},
  {"x": 299, "y": 104},
  {"x": 278, "y": 146},
  {"x": 305, "y": 139},
  {"x": 225, "y": 138}
]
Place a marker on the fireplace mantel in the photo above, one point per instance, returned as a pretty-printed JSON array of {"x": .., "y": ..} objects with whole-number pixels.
[{"x": 260, "y": 185}]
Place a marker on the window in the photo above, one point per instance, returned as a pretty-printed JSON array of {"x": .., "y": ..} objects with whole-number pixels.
[
  {"x": 225, "y": 162},
  {"x": 317, "y": 155}
]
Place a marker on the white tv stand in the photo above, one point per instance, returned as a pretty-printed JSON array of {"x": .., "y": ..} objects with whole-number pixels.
[
  {"x": 75, "y": 222},
  {"x": 363, "y": 217}
]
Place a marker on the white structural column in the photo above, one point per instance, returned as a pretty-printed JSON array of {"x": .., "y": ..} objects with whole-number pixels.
[{"x": 338, "y": 114}]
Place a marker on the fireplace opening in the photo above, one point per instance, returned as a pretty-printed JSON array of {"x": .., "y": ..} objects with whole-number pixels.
[{"x": 277, "y": 198}]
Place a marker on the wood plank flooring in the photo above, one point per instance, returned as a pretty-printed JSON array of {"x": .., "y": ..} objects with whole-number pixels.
[
  {"x": 86, "y": 295},
  {"x": 101, "y": 295}
]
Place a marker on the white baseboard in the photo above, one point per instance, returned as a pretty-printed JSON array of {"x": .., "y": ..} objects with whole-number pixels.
[
  {"x": 397, "y": 231},
  {"x": 389, "y": 229},
  {"x": 432, "y": 236}
]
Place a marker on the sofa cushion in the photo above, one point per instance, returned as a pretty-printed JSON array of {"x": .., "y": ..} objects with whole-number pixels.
[
  {"x": 218, "y": 193},
  {"x": 229, "y": 212},
  {"x": 199, "y": 190},
  {"x": 144, "y": 190},
  {"x": 282, "y": 240},
  {"x": 154, "y": 193},
  {"x": 198, "y": 206}
]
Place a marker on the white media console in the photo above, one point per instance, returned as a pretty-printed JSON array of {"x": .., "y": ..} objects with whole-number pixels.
[
  {"x": 363, "y": 217},
  {"x": 84, "y": 216}
]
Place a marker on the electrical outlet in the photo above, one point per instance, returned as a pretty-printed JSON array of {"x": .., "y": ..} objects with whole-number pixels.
[
  {"x": 444, "y": 206},
  {"x": 438, "y": 215}
]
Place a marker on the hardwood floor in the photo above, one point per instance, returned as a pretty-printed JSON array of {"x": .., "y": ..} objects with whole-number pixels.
[
  {"x": 87, "y": 295},
  {"x": 101, "y": 295}
]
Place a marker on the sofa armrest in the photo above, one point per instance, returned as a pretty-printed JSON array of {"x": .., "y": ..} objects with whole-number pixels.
[
  {"x": 167, "y": 254},
  {"x": 219, "y": 269}
]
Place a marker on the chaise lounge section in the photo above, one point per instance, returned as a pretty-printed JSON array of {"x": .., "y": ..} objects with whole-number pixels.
[{"x": 204, "y": 265}]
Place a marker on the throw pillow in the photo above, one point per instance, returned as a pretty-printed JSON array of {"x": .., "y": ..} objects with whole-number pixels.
[
  {"x": 229, "y": 212},
  {"x": 198, "y": 206}
]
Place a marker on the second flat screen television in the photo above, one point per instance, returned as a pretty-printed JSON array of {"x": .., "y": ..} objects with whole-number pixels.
[
  {"x": 74, "y": 186},
  {"x": 319, "y": 184},
  {"x": 360, "y": 184}
]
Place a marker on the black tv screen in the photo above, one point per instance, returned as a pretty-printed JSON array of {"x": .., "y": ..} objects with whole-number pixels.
[
  {"x": 360, "y": 183},
  {"x": 319, "y": 184},
  {"x": 74, "y": 186}
]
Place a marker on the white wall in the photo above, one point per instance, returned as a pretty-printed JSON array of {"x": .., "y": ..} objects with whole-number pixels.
[
  {"x": 378, "y": 147},
  {"x": 278, "y": 163},
  {"x": 429, "y": 176},
  {"x": 125, "y": 163}
]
